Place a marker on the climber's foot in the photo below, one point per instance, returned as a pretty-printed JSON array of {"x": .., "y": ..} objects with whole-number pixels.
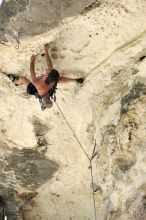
[
  {"x": 80, "y": 80},
  {"x": 13, "y": 78}
]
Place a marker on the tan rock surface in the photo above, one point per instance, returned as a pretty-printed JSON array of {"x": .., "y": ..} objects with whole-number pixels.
[{"x": 105, "y": 44}]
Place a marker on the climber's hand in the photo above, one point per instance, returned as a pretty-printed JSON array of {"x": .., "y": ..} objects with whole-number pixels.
[
  {"x": 46, "y": 46},
  {"x": 33, "y": 58}
]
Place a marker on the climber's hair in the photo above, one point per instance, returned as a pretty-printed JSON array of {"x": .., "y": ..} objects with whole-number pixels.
[{"x": 52, "y": 77}]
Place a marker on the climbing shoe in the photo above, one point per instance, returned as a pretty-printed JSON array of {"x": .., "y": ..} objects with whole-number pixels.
[
  {"x": 80, "y": 80},
  {"x": 13, "y": 78}
]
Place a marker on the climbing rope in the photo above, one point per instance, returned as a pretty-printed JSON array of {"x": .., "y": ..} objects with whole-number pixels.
[
  {"x": 86, "y": 154},
  {"x": 93, "y": 194},
  {"x": 73, "y": 132},
  {"x": 2, "y": 205},
  {"x": 4, "y": 214}
]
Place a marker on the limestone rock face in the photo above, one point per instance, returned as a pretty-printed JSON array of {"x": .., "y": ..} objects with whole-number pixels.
[
  {"x": 45, "y": 156},
  {"x": 28, "y": 18}
]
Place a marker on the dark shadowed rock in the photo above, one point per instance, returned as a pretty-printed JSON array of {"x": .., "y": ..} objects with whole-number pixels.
[
  {"x": 135, "y": 92},
  {"x": 31, "y": 168},
  {"x": 29, "y": 18}
]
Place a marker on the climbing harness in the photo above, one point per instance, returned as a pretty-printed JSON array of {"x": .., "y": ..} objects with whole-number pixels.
[
  {"x": 51, "y": 96},
  {"x": 88, "y": 157}
]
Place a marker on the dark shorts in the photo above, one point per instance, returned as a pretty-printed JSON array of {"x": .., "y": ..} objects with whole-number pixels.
[{"x": 31, "y": 89}]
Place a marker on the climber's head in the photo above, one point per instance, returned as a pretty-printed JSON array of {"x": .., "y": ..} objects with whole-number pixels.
[{"x": 53, "y": 76}]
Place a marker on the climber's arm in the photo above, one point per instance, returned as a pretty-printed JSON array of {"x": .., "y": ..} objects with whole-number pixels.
[
  {"x": 32, "y": 67},
  {"x": 48, "y": 59},
  {"x": 66, "y": 80}
]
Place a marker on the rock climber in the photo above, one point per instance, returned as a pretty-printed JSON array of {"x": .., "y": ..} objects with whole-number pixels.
[{"x": 44, "y": 86}]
